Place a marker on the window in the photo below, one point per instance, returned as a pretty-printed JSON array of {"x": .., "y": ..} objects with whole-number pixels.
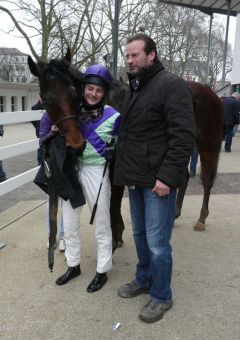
[
  {"x": 13, "y": 103},
  {"x": 2, "y": 103}
]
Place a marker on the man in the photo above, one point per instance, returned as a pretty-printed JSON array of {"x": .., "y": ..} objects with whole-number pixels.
[
  {"x": 156, "y": 140},
  {"x": 231, "y": 106}
]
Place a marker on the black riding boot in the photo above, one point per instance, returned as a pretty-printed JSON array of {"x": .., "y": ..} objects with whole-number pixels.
[
  {"x": 97, "y": 283},
  {"x": 69, "y": 275}
]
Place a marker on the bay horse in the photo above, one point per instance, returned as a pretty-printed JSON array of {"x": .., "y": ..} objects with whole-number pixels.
[
  {"x": 60, "y": 96},
  {"x": 208, "y": 113}
]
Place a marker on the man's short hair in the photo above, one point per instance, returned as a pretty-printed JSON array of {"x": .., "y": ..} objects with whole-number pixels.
[
  {"x": 235, "y": 95},
  {"x": 149, "y": 43}
]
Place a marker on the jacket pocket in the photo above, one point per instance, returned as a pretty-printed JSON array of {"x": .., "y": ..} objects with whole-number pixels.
[{"x": 135, "y": 161}]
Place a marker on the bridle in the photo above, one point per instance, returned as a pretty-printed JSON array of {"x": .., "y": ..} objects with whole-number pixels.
[
  {"x": 63, "y": 119},
  {"x": 53, "y": 74}
]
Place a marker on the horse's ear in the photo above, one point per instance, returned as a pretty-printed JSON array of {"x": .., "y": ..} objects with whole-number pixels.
[
  {"x": 68, "y": 56},
  {"x": 34, "y": 68}
]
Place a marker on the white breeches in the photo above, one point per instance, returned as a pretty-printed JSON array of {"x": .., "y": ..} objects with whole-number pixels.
[{"x": 90, "y": 178}]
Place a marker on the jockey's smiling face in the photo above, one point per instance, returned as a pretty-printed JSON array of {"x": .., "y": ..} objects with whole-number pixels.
[
  {"x": 93, "y": 94},
  {"x": 137, "y": 58}
]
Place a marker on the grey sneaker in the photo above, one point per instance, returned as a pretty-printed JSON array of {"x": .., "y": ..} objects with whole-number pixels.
[
  {"x": 130, "y": 290},
  {"x": 154, "y": 310}
]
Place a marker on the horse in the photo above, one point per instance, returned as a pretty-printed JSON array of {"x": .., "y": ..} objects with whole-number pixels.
[{"x": 208, "y": 113}]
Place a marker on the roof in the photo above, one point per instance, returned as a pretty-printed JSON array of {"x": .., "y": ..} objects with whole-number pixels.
[
  {"x": 11, "y": 51},
  {"x": 209, "y": 6}
]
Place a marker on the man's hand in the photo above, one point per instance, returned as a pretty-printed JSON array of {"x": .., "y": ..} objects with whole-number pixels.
[{"x": 161, "y": 189}]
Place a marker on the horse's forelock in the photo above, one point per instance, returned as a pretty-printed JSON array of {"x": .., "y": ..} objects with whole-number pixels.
[{"x": 55, "y": 70}]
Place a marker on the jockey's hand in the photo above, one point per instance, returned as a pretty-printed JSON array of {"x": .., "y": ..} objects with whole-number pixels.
[
  {"x": 54, "y": 128},
  {"x": 161, "y": 189},
  {"x": 109, "y": 153}
]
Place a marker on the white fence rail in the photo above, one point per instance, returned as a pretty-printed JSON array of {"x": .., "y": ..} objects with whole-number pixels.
[
  {"x": 18, "y": 149},
  {"x": 19, "y": 116}
]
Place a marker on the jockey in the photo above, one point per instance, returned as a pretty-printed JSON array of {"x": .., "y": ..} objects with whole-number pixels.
[{"x": 99, "y": 125}]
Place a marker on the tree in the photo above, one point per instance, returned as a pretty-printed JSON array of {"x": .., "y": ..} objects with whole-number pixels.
[
  {"x": 87, "y": 27},
  {"x": 33, "y": 19}
]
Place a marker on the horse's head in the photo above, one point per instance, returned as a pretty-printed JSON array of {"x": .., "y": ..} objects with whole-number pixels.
[{"x": 61, "y": 91}]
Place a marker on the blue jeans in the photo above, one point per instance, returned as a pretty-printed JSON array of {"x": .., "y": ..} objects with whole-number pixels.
[
  {"x": 194, "y": 160},
  {"x": 152, "y": 220}
]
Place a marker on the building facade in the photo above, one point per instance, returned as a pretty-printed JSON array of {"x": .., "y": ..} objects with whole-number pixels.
[
  {"x": 18, "y": 92},
  {"x": 14, "y": 66},
  {"x": 17, "y": 96}
]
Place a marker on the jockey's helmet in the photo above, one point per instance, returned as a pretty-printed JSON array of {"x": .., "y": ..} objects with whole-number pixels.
[{"x": 98, "y": 75}]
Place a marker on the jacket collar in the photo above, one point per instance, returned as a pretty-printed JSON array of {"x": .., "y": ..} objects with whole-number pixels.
[{"x": 138, "y": 81}]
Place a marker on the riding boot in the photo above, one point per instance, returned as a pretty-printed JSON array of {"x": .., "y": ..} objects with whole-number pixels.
[
  {"x": 69, "y": 275},
  {"x": 97, "y": 283}
]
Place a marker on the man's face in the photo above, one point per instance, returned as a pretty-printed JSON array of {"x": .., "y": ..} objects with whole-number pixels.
[{"x": 137, "y": 58}]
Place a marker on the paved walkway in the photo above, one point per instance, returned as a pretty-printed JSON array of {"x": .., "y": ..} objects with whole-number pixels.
[{"x": 206, "y": 275}]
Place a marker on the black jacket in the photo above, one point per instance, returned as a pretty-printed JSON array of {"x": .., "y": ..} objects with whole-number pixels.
[
  {"x": 231, "y": 108},
  {"x": 62, "y": 169},
  {"x": 157, "y": 133}
]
